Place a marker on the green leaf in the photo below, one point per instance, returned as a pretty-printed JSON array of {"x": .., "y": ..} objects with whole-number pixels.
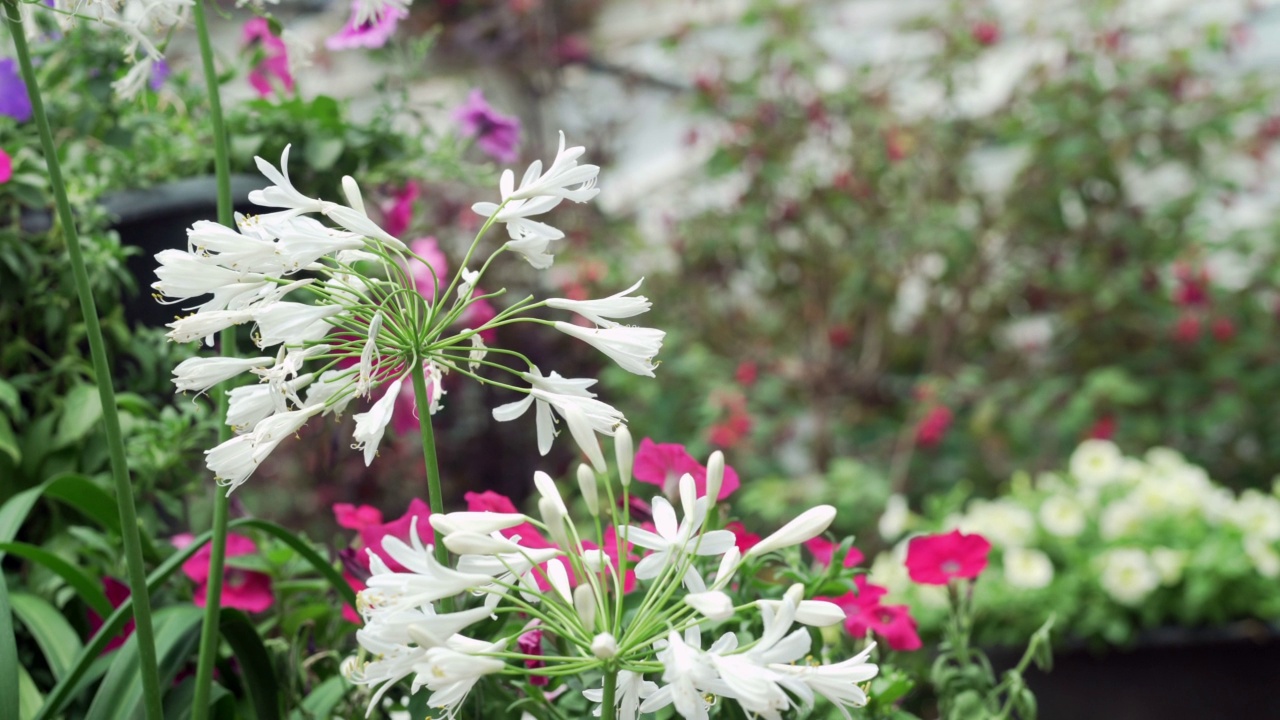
[
  {"x": 320, "y": 702},
  {"x": 55, "y": 636},
  {"x": 14, "y": 513},
  {"x": 323, "y": 152},
  {"x": 119, "y": 697},
  {"x": 89, "y": 589},
  {"x": 29, "y": 697},
  {"x": 67, "y": 686},
  {"x": 308, "y": 553},
  {"x": 177, "y": 704},
  {"x": 8, "y": 442},
  {"x": 10, "y": 399},
  {"x": 9, "y": 668},
  {"x": 86, "y": 496},
  {"x": 256, "y": 671},
  {"x": 80, "y": 413}
]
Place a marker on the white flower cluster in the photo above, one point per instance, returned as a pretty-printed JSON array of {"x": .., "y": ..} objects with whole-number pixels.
[
  {"x": 366, "y": 327},
  {"x": 1137, "y": 512},
  {"x": 651, "y": 658}
]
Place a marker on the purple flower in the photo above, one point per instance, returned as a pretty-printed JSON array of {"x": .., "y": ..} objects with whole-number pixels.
[
  {"x": 159, "y": 73},
  {"x": 497, "y": 135},
  {"x": 14, "y": 101},
  {"x": 275, "y": 62},
  {"x": 371, "y": 34}
]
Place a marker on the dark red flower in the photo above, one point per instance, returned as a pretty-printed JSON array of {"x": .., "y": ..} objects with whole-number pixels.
[
  {"x": 933, "y": 426},
  {"x": 1223, "y": 329},
  {"x": 117, "y": 592},
  {"x": 1104, "y": 428},
  {"x": 746, "y": 373},
  {"x": 985, "y": 33},
  {"x": 1188, "y": 328},
  {"x": 939, "y": 559}
]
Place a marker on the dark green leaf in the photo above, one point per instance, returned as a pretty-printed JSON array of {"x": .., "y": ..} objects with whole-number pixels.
[
  {"x": 119, "y": 697},
  {"x": 55, "y": 636},
  {"x": 256, "y": 671},
  {"x": 89, "y": 589}
]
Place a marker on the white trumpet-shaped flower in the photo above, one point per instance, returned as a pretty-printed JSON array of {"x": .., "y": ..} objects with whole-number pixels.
[
  {"x": 603, "y": 311},
  {"x": 199, "y": 374},
  {"x": 371, "y": 425},
  {"x": 633, "y": 348}
]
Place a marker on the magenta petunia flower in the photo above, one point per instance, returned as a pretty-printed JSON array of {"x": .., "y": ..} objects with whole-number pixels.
[
  {"x": 373, "y": 33},
  {"x": 6, "y": 167},
  {"x": 398, "y": 214},
  {"x": 865, "y": 614},
  {"x": 423, "y": 280},
  {"x": 497, "y": 135},
  {"x": 116, "y": 592},
  {"x": 241, "y": 589},
  {"x": 275, "y": 61},
  {"x": 824, "y": 550},
  {"x": 355, "y": 517},
  {"x": 372, "y": 535},
  {"x": 530, "y": 643},
  {"x": 939, "y": 559},
  {"x": 14, "y": 100},
  {"x": 662, "y": 464}
]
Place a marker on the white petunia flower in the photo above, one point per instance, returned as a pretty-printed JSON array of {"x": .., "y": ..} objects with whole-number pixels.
[
  {"x": 1062, "y": 516},
  {"x": 1027, "y": 568},
  {"x": 1128, "y": 575},
  {"x": 1096, "y": 462}
]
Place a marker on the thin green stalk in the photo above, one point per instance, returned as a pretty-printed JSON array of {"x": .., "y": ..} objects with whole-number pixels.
[
  {"x": 608, "y": 707},
  {"x": 434, "y": 497},
  {"x": 102, "y": 378},
  {"x": 210, "y": 630}
]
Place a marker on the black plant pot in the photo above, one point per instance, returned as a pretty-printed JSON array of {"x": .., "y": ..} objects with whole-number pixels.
[
  {"x": 1170, "y": 674},
  {"x": 156, "y": 219}
]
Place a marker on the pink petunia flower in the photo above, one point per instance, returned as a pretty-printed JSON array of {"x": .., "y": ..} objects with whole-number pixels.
[
  {"x": 246, "y": 590},
  {"x": 352, "y": 517},
  {"x": 275, "y": 62},
  {"x": 424, "y": 282},
  {"x": 933, "y": 426},
  {"x": 530, "y": 643},
  {"x": 373, "y": 33},
  {"x": 743, "y": 538},
  {"x": 117, "y": 592},
  {"x": 397, "y": 215},
  {"x": 939, "y": 559},
  {"x": 823, "y": 550},
  {"x": 865, "y": 614},
  {"x": 497, "y": 135},
  {"x": 6, "y": 167},
  {"x": 663, "y": 464}
]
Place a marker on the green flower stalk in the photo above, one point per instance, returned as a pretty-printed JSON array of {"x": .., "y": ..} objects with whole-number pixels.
[{"x": 102, "y": 376}]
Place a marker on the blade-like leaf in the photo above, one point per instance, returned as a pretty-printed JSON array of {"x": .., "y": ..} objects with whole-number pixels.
[
  {"x": 323, "y": 698},
  {"x": 29, "y": 697},
  {"x": 256, "y": 671},
  {"x": 9, "y": 667},
  {"x": 303, "y": 548},
  {"x": 55, "y": 636},
  {"x": 89, "y": 590},
  {"x": 67, "y": 686},
  {"x": 119, "y": 697},
  {"x": 14, "y": 512}
]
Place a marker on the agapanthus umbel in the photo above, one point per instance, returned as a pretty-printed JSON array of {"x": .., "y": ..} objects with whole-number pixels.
[
  {"x": 339, "y": 317},
  {"x": 652, "y": 656}
]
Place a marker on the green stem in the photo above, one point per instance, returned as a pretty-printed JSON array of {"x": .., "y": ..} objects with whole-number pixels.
[
  {"x": 210, "y": 632},
  {"x": 608, "y": 707},
  {"x": 434, "y": 497},
  {"x": 102, "y": 375}
]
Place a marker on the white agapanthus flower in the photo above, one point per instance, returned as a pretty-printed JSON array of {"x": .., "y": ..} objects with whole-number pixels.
[
  {"x": 648, "y": 653},
  {"x": 355, "y": 330}
]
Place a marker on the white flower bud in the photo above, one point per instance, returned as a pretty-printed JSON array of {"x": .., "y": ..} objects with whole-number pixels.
[
  {"x": 590, "y": 492},
  {"x": 715, "y": 477},
  {"x": 584, "y": 601},
  {"x": 728, "y": 566},
  {"x": 624, "y": 449},
  {"x": 559, "y": 579},
  {"x": 814, "y": 613},
  {"x": 554, "y": 520},
  {"x": 352, "y": 191},
  {"x": 476, "y": 522},
  {"x": 714, "y": 604},
  {"x": 470, "y": 543},
  {"x": 604, "y": 646},
  {"x": 547, "y": 488},
  {"x": 810, "y": 524}
]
